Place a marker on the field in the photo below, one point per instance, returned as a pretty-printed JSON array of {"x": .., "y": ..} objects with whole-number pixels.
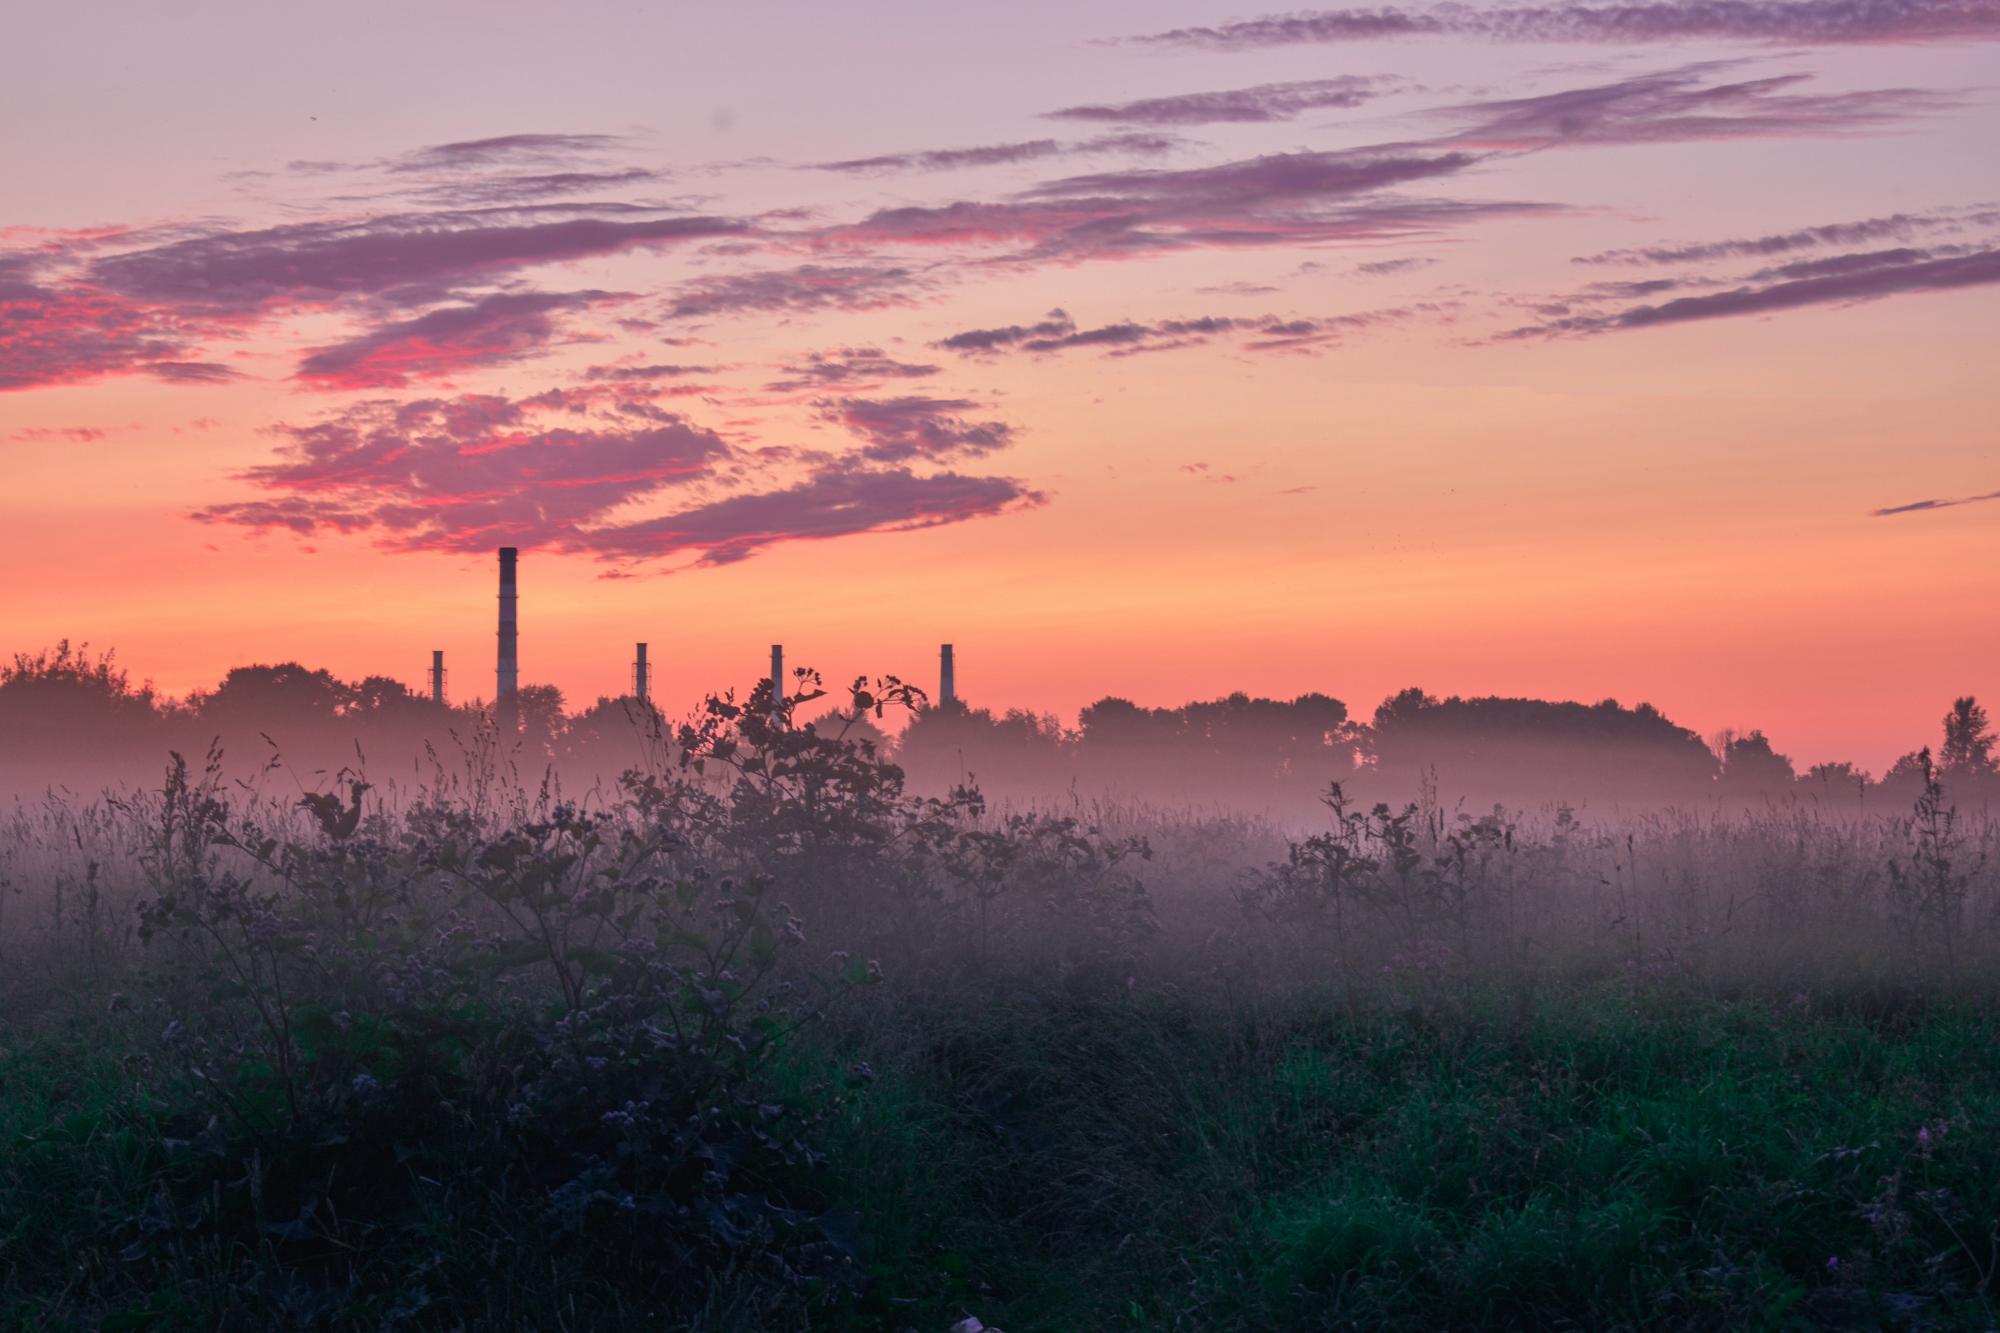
[{"x": 760, "y": 1039}]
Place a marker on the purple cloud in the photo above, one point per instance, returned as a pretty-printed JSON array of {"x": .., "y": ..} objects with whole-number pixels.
[
  {"x": 1924, "y": 506},
  {"x": 804, "y": 288},
  {"x": 1282, "y": 199},
  {"x": 1827, "y": 22},
  {"x": 1895, "y": 226},
  {"x": 1003, "y": 154},
  {"x": 1890, "y": 273},
  {"x": 468, "y": 473},
  {"x": 948, "y": 159},
  {"x": 191, "y": 372},
  {"x": 1381, "y": 268},
  {"x": 1057, "y": 324},
  {"x": 1254, "y": 333},
  {"x": 416, "y": 253},
  {"x": 69, "y": 334},
  {"x": 899, "y": 429},
  {"x": 1674, "y": 106},
  {"x": 660, "y": 371},
  {"x": 846, "y": 366},
  {"x": 526, "y": 188},
  {"x": 492, "y": 331},
  {"x": 505, "y": 149},
  {"x": 1264, "y": 103},
  {"x": 839, "y": 500}
]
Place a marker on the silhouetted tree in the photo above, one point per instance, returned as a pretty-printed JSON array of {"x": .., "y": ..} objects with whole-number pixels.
[
  {"x": 1840, "y": 779},
  {"x": 1749, "y": 764},
  {"x": 65, "y": 703},
  {"x": 540, "y": 710},
  {"x": 1502, "y": 748},
  {"x": 1968, "y": 742},
  {"x": 282, "y": 697}
]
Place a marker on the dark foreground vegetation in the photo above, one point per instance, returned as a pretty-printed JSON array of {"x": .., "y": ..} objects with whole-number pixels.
[{"x": 760, "y": 1040}]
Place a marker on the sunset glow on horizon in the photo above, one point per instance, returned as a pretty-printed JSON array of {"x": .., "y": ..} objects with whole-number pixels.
[{"x": 1149, "y": 350}]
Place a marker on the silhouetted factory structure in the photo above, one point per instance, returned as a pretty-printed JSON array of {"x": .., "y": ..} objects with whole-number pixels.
[{"x": 507, "y": 662}]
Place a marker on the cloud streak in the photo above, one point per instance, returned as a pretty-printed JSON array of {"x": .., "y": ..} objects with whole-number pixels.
[
  {"x": 471, "y": 472},
  {"x": 1262, "y": 104},
  {"x": 1887, "y": 273},
  {"x": 1280, "y": 199},
  {"x": 1894, "y": 226},
  {"x": 897, "y": 430},
  {"x": 1813, "y": 22},
  {"x": 846, "y": 366},
  {"x": 493, "y": 331},
  {"x": 1255, "y": 333},
  {"x": 807, "y": 287},
  {"x": 1925, "y": 506},
  {"x": 838, "y": 500},
  {"x": 409, "y": 254},
  {"x": 1003, "y": 154},
  {"x": 1678, "y": 105}
]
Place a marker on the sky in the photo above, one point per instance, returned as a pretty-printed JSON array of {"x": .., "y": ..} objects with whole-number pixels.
[{"x": 1641, "y": 351}]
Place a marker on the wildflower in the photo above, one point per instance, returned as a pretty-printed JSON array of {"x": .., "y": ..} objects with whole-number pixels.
[{"x": 1833, "y": 1263}]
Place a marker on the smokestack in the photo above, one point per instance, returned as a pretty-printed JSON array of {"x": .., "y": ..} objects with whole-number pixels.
[
  {"x": 947, "y": 678},
  {"x": 778, "y": 682},
  {"x": 437, "y": 675},
  {"x": 642, "y": 676},
  {"x": 509, "y": 669}
]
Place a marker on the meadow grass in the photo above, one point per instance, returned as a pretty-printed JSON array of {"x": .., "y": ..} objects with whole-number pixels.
[
  {"x": 1586, "y": 1158},
  {"x": 786, "y": 1048}
]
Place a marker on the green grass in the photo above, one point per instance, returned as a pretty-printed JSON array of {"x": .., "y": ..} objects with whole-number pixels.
[
  {"x": 1590, "y": 1159},
  {"x": 1594, "y": 1162}
]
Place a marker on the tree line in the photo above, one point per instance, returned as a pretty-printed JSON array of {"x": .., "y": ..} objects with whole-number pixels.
[{"x": 69, "y": 710}]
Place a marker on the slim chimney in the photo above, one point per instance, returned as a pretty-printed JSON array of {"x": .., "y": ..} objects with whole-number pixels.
[
  {"x": 437, "y": 675},
  {"x": 947, "y": 678},
  {"x": 642, "y": 676},
  {"x": 778, "y": 682},
  {"x": 509, "y": 670}
]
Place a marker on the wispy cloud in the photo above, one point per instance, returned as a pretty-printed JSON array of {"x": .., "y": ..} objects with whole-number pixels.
[
  {"x": 1282, "y": 199},
  {"x": 846, "y": 367},
  {"x": 897, "y": 430},
  {"x": 566, "y": 469},
  {"x": 470, "y": 472},
  {"x": 1681, "y": 105},
  {"x": 504, "y": 149},
  {"x": 492, "y": 331},
  {"x": 410, "y": 255},
  {"x": 1257, "y": 333},
  {"x": 1822, "y": 22},
  {"x": 1923, "y": 506},
  {"x": 522, "y": 188},
  {"x": 1003, "y": 154},
  {"x": 806, "y": 287},
  {"x": 1263, "y": 103},
  {"x": 1886, "y": 273},
  {"x": 1894, "y": 226},
  {"x": 838, "y": 500}
]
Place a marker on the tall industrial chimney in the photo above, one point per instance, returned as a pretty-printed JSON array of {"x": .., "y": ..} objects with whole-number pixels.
[
  {"x": 437, "y": 675},
  {"x": 947, "y": 678},
  {"x": 509, "y": 671},
  {"x": 778, "y": 682},
  {"x": 642, "y": 676}
]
